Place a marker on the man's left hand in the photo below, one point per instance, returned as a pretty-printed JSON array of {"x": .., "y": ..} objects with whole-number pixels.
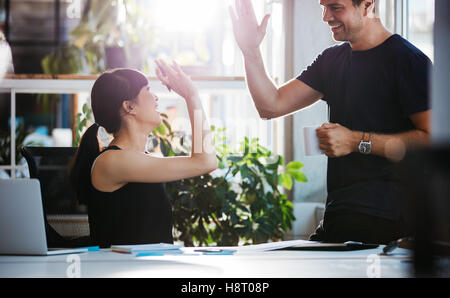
[{"x": 336, "y": 140}]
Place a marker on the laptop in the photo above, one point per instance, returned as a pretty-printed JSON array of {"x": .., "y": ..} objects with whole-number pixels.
[{"x": 22, "y": 225}]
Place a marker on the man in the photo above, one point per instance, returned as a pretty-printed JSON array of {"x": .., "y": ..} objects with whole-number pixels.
[{"x": 375, "y": 84}]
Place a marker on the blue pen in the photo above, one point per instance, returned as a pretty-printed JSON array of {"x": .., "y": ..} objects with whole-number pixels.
[
  {"x": 91, "y": 248},
  {"x": 222, "y": 253},
  {"x": 212, "y": 251},
  {"x": 149, "y": 254}
]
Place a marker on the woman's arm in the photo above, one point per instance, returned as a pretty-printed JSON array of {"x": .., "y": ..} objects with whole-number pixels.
[
  {"x": 175, "y": 79},
  {"x": 115, "y": 168},
  {"x": 118, "y": 167}
]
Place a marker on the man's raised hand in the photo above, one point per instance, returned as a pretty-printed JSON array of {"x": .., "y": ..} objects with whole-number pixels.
[{"x": 247, "y": 32}]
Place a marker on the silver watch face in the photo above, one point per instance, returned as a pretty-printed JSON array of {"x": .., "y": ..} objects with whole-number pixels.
[{"x": 365, "y": 147}]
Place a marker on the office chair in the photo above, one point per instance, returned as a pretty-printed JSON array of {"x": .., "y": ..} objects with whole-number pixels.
[{"x": 50, "y": 165}]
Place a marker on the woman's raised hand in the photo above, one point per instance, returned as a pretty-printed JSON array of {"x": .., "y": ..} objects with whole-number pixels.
[{"x": 173, "y": 77}]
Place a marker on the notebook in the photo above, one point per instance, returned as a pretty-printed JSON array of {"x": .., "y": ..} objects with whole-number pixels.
[
  {"x": 22, "y": 225},
  {"x": 148, "y": 249}
]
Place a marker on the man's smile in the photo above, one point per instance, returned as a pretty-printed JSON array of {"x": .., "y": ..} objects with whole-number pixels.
[{"x": 336, "y": 28}]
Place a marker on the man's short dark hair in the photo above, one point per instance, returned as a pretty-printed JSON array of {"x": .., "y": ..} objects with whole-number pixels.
[{"x": 357, "y": 3}]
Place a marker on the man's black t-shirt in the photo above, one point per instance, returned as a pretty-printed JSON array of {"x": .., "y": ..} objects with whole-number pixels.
[{"x": 372, "y": 91}]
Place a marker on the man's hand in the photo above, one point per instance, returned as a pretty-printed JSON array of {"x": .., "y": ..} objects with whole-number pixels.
[
  {"x": 337, "y": 140},
  {"x": 270, "y": 101},
  {"x": 247, "y": 32}
]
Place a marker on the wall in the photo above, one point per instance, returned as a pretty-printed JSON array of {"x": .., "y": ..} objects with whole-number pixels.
[
  {"x": 311, "y": 37},
  {"x": 441, "y": 74}
]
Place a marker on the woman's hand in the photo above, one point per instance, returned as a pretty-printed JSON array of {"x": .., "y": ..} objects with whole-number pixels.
[{"x": 175, "y": 79}]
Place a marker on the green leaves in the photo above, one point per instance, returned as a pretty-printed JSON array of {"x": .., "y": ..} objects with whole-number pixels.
[
  {"x": 299, "y": 176},
  {"x": 160, "y": 130},
  {"x": 294, "y": 165},
  {"x": 292, "y": 171},
  {"x": 286, "y": 180},
  {"x": 81, "y": 123},
  {"x": 243, "y": 204},
  {"x": 101, "y": 27},
  {"x": 65, "y": 60}
]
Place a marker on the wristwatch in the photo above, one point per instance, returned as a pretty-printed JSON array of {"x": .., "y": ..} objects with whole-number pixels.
[{"x": 365, "y": 147}]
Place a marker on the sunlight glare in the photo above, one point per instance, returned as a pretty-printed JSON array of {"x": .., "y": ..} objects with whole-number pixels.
[{"x": 185, "y": 16}]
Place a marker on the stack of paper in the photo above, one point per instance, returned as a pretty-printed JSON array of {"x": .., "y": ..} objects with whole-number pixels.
[
  {"x": 248, "y": 248},
  {"x": 268, "y": 246},
  {"x": 157, "y": 249},
  {"x": 300, "y": 245}
]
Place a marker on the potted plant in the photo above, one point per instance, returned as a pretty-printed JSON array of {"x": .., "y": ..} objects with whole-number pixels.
[
  {"x": 110, "y": 34},
  {"x": 244, "y": 204}
]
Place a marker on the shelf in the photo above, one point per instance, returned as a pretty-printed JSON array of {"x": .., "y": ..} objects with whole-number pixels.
[
  {"x": 71, "y": 84},
  {"x": 75, "y": 84}
]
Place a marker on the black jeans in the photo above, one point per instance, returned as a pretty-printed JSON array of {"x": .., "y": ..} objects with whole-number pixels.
[{"x": 340, "y": 227}]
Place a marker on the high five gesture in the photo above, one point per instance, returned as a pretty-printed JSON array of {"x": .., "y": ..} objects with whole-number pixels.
[
  {"x": 270, "y": 101},
  {"x": 247, "y": 32}
]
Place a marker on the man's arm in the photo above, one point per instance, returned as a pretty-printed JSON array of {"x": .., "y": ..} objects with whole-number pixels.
[
  {"x": 394, "y": 146},
  {"x": 270, "y": 101},
  {"x": 338, "y": 140}
]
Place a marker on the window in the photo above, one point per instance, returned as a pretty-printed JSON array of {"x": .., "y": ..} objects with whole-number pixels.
[
  {"x": 420, "y": 21},
  {"x": 204, "y": 45},
  {"x": 387, "y": 14},
  {"x": 413, "y": 19}
]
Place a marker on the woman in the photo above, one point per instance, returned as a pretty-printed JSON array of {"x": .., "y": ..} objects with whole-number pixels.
[{"x": 122, "y": 184}]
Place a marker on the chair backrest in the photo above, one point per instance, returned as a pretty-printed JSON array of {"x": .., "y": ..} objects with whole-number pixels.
[{"x": 51, "y": 166}]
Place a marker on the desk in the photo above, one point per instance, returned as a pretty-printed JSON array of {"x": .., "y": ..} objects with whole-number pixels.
[{"x": 271, "y": 264}]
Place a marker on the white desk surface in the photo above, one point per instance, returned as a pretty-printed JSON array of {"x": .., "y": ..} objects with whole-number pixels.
[{"x": 272, "y": 264}]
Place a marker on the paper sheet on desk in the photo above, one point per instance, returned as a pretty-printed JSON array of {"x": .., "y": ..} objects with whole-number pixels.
[{"x": 257, "y": 247}]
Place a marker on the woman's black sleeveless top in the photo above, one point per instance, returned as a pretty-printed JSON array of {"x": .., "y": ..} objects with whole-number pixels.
[{"x": 136, "y": 213}]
